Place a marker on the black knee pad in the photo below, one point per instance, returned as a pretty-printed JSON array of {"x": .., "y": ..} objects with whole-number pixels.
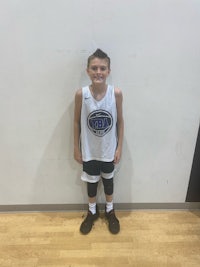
[
  {"x": 108, "y": 186},
  {"x": 92, "y": 189}
]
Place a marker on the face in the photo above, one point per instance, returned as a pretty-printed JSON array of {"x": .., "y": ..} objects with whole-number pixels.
[{"x": 98, "y": 70}]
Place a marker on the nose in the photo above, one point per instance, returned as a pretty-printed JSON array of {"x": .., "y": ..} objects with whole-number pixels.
[{"x": 98, "y": 70}]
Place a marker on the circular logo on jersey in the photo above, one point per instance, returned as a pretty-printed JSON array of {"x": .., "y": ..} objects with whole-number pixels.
[{"x": 100, "y": 122}]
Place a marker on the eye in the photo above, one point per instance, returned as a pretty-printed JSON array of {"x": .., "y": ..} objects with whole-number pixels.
[{"x": 94, "y": 68}]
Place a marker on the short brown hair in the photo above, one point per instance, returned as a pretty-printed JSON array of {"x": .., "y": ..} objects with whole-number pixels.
[{"x": 99, "y": 54}]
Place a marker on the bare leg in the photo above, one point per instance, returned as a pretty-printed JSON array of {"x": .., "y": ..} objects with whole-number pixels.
[
  {"x": 92, "y": 199},
  {"x": 109, "y": 198}
]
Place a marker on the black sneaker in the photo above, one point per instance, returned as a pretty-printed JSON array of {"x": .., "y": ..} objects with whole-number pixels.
[
  {"x": 113, "y": 222},
  {"x": 87, "y": 224}
]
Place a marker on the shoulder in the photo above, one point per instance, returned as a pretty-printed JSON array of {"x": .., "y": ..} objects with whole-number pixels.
[
  {"x": 78, "y": 93},
  {"x": 78, "y": 97},
  {"x": 118, "y": 93}
]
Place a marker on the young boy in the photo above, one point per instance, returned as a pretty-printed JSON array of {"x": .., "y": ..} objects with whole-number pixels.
[{"x": 98, "y": 136}]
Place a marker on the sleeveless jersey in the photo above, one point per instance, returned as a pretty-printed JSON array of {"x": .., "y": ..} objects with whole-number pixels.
[{"x": 98, "y": 126}]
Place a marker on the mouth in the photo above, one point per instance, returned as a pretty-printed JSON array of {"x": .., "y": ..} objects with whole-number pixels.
[{"x": 98, "y": 78}]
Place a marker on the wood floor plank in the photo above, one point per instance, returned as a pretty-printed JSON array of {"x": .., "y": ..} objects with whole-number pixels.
[{"x": 147, "y": 239}]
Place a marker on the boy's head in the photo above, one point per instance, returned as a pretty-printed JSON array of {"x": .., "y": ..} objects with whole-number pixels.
[{"x": 99, "y": 54}]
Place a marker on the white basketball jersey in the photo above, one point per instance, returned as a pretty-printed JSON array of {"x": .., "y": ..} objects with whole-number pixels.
[{"x": 98, "y": 126}]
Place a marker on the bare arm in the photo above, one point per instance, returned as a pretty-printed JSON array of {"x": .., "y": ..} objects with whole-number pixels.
[
  {"x": 120, "y": 125},
  {"x": 77, "y": 126}
]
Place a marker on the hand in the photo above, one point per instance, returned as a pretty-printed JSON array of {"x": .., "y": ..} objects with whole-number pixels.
[
  {"x": 117, "y": 156},
  {"x": 78, "y": 157}
]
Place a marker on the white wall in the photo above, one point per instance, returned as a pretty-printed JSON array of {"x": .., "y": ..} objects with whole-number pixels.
[{"x": 155, "y": 50}]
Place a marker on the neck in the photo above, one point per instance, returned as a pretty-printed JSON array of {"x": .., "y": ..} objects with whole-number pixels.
[
  {"x": 98, "y": 87},
  {"x": 98, "y": 92}
]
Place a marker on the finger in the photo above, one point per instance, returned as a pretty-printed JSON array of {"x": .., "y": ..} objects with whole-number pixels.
[{"x": 116, "y": 160}]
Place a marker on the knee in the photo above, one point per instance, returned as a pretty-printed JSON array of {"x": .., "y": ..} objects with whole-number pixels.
[
  {"x": 108, "y": 186},
  {"x": 92, "y": 189}
]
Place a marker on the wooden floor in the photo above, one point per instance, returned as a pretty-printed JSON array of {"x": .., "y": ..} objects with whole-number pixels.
[{"x": 147, "y": 239}]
